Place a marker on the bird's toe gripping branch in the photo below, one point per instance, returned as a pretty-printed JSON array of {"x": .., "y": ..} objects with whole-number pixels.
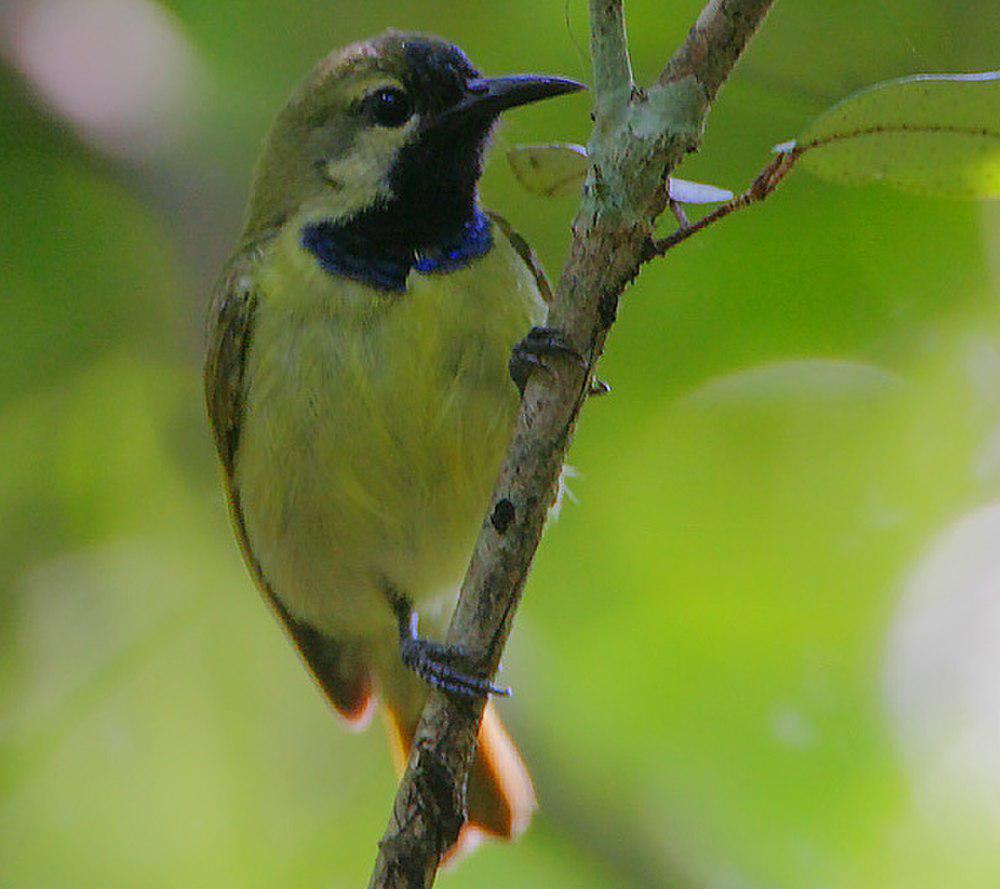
[
  {"x": 434, "y": 662},
  {"x": 438, "y": 664},
  {"x": 529, "y": 355}
]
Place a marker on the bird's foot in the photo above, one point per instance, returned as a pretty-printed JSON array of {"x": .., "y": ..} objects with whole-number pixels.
[
  {"x": 598, "y": 388},
  {"x": 530, "y": 354},
  {"x": 438, "y": 664}
]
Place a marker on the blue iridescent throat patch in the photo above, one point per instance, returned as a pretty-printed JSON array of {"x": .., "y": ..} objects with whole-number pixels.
[{"x": 339, "y": 252}]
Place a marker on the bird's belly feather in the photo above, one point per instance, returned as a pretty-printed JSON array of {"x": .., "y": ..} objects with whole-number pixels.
[{"x": 372, "y": 436}]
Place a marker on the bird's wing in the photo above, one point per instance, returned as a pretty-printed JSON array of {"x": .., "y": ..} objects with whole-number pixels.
[
  {"x": 339, "y": 672},
  {"x": 524, "y": 250},
  {"x": 230, "y": 331}
]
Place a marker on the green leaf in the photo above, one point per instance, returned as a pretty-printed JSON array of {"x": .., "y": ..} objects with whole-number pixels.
[
  {"x": 936, "y": 134},
  {"x": 549, "y": 170},
  {"x": 559, "y": 169}
]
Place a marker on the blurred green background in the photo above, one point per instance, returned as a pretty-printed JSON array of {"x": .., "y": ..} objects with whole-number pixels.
[{"x": 762, "y": 650}]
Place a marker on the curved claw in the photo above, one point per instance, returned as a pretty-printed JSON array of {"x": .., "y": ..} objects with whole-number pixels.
[
  {"x": 598, "y": 388},
  {"x": 529, "y": 354}
]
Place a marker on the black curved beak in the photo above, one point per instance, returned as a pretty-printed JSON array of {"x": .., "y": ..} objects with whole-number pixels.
[{"x": 486, "y": 97}]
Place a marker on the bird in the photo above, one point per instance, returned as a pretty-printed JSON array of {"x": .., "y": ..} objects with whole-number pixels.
[{"x": 366, "y": 343}]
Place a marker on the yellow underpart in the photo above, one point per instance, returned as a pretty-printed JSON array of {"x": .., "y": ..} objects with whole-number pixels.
[{"x": 374, "y": 427}]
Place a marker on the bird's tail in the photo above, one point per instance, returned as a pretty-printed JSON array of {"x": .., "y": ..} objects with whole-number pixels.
[{"x": 500, "y": 796}]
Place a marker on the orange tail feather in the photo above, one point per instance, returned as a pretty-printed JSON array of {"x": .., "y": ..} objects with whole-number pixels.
[{"x": 500, "y": 795}]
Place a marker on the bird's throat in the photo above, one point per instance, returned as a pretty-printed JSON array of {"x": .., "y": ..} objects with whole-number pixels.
[{"x": 384, "y": 259}]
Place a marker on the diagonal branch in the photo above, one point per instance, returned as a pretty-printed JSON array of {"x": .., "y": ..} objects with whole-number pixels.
[
  {"x": 715, "y": 43},
  {"x": 639, "y": 137}
]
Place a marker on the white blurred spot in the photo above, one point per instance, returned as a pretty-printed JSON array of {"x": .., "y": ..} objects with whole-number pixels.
[
  {"x": 120, "y": 71},
  {"x": 986, "y": 461},
  {"x": 982, "y": 364},
  {"x": 728, "y": 877},
  {"x": 791, "y": 728},
  {"x": 991, "y": 236},
  {"x": 943, "y": 668}
]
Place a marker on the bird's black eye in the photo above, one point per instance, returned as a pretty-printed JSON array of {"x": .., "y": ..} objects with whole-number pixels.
[{"x": 388, "y": 107}]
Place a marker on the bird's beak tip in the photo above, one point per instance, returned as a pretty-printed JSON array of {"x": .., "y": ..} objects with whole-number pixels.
[{"x": 501, "y": 93}]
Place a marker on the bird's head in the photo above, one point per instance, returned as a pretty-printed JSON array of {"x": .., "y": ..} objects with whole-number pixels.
[{"x": 388, "y": 135}]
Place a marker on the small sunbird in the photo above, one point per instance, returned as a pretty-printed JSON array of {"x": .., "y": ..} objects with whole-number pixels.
[{"x": 359, "y": 378}]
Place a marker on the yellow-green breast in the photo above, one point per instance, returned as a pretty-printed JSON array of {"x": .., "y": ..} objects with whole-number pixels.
[{"x": 374, "y": 425}]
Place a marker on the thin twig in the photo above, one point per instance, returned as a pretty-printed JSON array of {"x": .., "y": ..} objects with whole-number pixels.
[
  {"x": 639, "y": 138},
  {"x": 769, "y": 179},
  {"x": 677, "y": 208}
]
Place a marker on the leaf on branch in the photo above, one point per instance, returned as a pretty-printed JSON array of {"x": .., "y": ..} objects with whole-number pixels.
[
  {"x": 549, "y": 170},
  {"x": 559, "y": 169},
  {"x": 932, "y": 134}
]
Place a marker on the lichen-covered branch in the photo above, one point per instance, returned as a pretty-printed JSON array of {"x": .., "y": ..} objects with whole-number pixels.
[
  {"x": 609, "y": 52},
  {"x": 639, "y": 137}
]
